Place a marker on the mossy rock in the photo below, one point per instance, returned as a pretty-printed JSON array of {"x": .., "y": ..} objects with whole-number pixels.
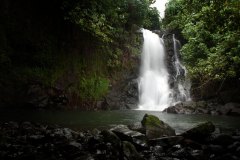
[
  {"x": 151, "y": 120},
  {"x": 155, "y": 128},
  {"x": 200, "y": 131}
]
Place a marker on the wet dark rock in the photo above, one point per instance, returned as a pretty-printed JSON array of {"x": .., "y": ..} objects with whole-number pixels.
[
  {"x": 130, "y": 151},
  {"x": 41, "y": 97},
  {"x": 158, "y": 149},
  {"x": 137, "y": 127},
  {"x": 216, "y": 148},
  {"x": 234, "y": 146},
  {"x": 65, "y": 132},
  {"x": 230, "y": 109},
  {"x": 238, "y": 151},
  {"x": 124, "y": 94},
  {"x": 26, "y": 125},
  {"x": 197, "y": 154},
  {"x": 181, "y": 153},
  {"x": 35, "y": 139},
  {"x": 223, "y": 139},
  {"x": 111, "y": 137},
  {"x": 204, "y": 107},
  {"x": 190, "y": 143},
  {"x": 76, "y": 145},
  {"x": 182, "y": 108},
  {"x": 13, "y": 125},
  {"x": 172, "y": 109},
  {"x": 125, "y": 134},
  {"x": 200, "y": 132},
  {"x": 234, "y": 112},
  {"x": 201, "y": 111},
  {"x": 227, "y": 156},
  {"x": 166, "y": 141},
  {"x": 155, "y": 128}
]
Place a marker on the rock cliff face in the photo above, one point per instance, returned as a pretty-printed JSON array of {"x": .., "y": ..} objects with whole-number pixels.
[
  {"x": 124, "y": 94},
  {"x": 178, "y": 80}
]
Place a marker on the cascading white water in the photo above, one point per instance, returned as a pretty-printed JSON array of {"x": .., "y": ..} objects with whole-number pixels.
[
  {"x": 183, "y": 83},
  {"x": 154, "y": 90}
]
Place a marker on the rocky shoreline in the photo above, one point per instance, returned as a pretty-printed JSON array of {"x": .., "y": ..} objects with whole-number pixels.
[
  {"x": 150, "y": 139},
  {"x": 204, "y": 107}
]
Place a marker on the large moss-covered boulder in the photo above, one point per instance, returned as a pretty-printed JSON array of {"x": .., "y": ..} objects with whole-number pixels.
[
  {"x": 155, "y": 128},
  {"x": 200, "y": 132}
]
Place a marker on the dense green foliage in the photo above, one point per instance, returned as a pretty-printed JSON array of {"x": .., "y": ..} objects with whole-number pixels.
[
  {"x": 107, "y": 20},
  {"x": 211, "y": 30},
  {"x": 78, "y": 46}
]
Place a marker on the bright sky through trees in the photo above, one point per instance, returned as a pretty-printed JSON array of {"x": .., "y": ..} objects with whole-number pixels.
[{"x": 160, "y": 5}]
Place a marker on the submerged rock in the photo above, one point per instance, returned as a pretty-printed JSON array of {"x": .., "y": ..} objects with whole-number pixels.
[{"x": 155, "y": 128}]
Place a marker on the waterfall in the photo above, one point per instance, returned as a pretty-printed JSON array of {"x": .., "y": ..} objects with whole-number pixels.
[
  {"x": 155, "y": 92},
  {"x": 182, "y": 83}
]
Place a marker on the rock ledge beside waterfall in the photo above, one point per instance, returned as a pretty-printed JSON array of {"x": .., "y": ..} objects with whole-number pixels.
[{"x": 203, "y": 107}]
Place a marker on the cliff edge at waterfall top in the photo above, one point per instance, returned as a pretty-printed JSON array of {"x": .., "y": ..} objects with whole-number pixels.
[{"x": 155, "y": 92}]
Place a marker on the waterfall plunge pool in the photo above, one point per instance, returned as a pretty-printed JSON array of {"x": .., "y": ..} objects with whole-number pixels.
[{"x": 84, "y": 120}]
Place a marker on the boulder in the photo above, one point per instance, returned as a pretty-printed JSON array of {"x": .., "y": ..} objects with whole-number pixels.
[
  {"x": 230, "y": 109},
  {"x": 182, "y": 108},
  {"x": 216, "y": 149},
  {"x": 233, "y": 147},
  {"x": 155, "y": 128},
  {"x": 171, "y": 109},
  {"x": 202, "y": 104},
  {"x": 181, "y": 153},
  {"x": 222, "y": 139},
  {"x": 64, "y": 133},
  {"x": 197, "y": 154},
  {"x": 201, "y": 111},
  {"x": 200, "y": 132},
  {"x": 234, "y": 112},
  {"x": 109, "y": 136},
  {"x": 125, "y": 134},
  {"x": 165, "y": 141},
  {"x": 130, "y": 151},
  {"x": 137, "y": 127}
]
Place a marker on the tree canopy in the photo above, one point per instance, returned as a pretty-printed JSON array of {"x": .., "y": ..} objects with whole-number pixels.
[
  {"x": 211, "y": 30},
  {"x": 107, "y": 19}
]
